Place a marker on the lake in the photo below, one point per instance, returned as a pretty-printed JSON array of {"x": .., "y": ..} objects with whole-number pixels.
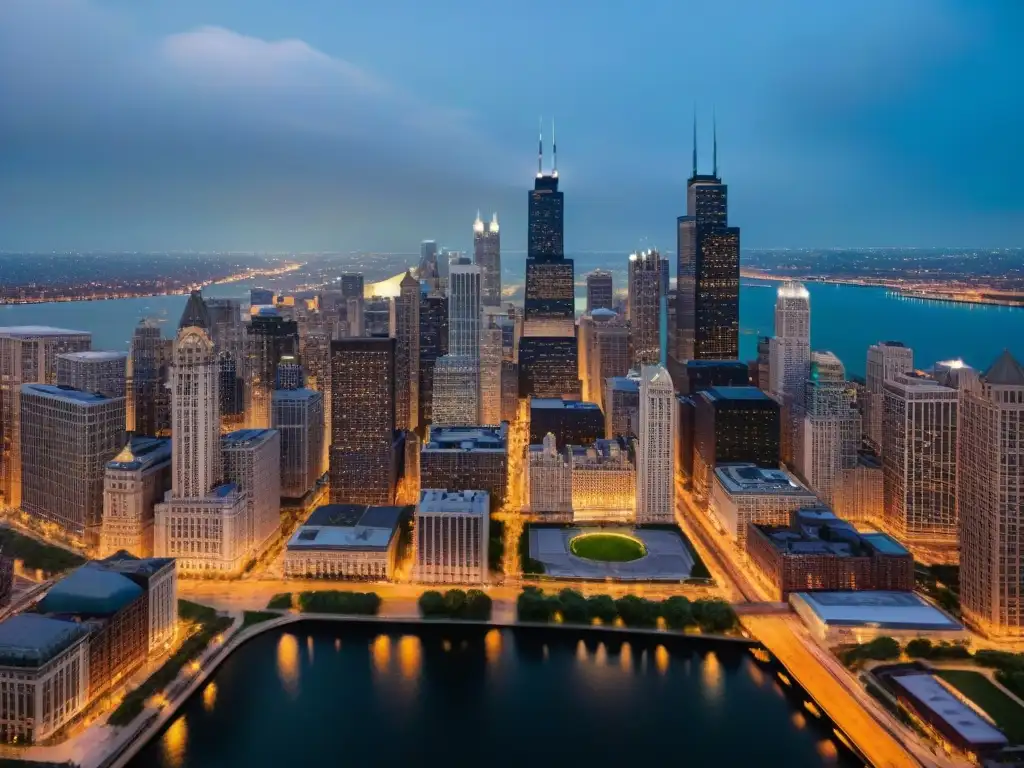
[
  {"x": 325, "y": 694},
  {"x": 845, "y": 319}
]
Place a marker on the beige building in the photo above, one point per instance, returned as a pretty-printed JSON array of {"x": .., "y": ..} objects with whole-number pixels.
[
  {"x": 859, "y": 497},
  {"x": 452, "y": 529},
  {"x": 603, "y": 352},
  {"x": 134, "y": 482},
  {"x": 252, "y": 461},
  {"x": 549, "y": 481},
  {"x": 346, "y": 541},
  {"x": 746, "y": 493},
  {"x": 603, "y": 482},
  {"x": 885, "y": 360},
  {"x": 990, "y": 492}
]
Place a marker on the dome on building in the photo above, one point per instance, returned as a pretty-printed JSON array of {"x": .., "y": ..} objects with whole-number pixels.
[{"x": 90, "y": 591}]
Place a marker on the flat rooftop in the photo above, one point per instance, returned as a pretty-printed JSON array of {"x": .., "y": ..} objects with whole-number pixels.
[
  {"x": 886, "y": 610},
  {"x": 929, "y": 692},
  {"x": 241, "y": 437},
  {"x": 95, "y": 356},
  {"x": 624, "y": 384},
  {"x": 557, "y": 403},
  {"x": 750, "y": 394},
  {"x": 476, "y": 503},
  {"x": 69, "y": 394},
  {"x": 749, "y": 478},
  {"x": 467, "y": 438},
  {"x": 349, "y": 527}
]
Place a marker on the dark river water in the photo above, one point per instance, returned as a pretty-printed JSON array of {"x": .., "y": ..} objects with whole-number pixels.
[{"x": 319, "y": 694}]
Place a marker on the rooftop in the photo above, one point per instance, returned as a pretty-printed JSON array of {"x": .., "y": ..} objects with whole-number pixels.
[
  {"x": 68, "y": 394},
  {"x": 243, "y": 437},
  {"x": 624, "y": 383},
  {"x": 928, "y": 691},
  {"x": 95, "y": 356},
  {"x": 302, "y": 393},
  {"x": 30, "y": 640},
  {"x": 752, "y": 394},
  {"x": 750, "y": 478},
  {"x": 886, "y": 610},
  {"x": 349, "y": 527},
  {"x": 556, "y": 403},
  {"x": 817, "y": 530},
  {"x": 90, "y": 591},
  {"x": 125, "y": 562},
  {"x": 37, "y": 331},
  {"x": 142, "y": 452},
  {"x": 195, "y": 313},
  {"x": 737, "y": 364},
  {"x": 454, "y": 502},
  {"x": 467, "y": 438}
]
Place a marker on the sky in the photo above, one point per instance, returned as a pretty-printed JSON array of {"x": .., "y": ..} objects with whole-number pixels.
[{"x": 335, "y": 125}]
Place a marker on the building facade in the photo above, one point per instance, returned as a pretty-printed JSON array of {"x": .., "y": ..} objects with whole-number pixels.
[
  {"x": 491, "y": 358},
  {"x": 600, "y": 290},
  {"x": 94, "y": 371},
  {"x": 433, "y": 344},
  {"x": 362, "y": 465},
  {"x": 452, "y": 530},
  {"x": 885, "y": 360},
  {"x": 549, "y": 480},
  {"x": 603, "y": 352},
  {"x": 346, "y": 541},
  {"x": 149, "y": 406},
  {"x": 990, "y": 492},
  {"x": 919, "y": 463},
  {"x": 67, "y": 438},
  {"x": 571, "y": 422},
  {"x": 298, "y": 416},
  {"x": 467, "y": 459},
  {"x": 655, "y": 470},
  {"x": 28, "y": 353},
  {"x": 269, "y": 337},
  {"x": 487, "y": 256},
  {"x": 830, "y": 437},
  {"x": 407, "y": 354},
  {"x": 744, "y": 493},
  {"x": 134, "y": 482},
  {"x": 457, "y": 389},
  {"x": 622, "y": 407},
  {"x": 644, "y": 302},
  {"x": 252, "y": 462}
]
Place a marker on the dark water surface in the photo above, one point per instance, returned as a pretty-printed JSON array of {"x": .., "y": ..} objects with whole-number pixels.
[{"x": 319, "y": 694}]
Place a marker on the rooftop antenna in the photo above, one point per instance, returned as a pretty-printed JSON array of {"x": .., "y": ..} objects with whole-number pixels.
[
  {"x": 695, "y": 141},
  {"x": 540, "y": 145},
  {"x": 714, "y": 138},
  {"x": 554, "y": 150}
]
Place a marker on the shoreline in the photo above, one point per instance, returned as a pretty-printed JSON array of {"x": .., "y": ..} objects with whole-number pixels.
[{"x": 911, "y": 293}]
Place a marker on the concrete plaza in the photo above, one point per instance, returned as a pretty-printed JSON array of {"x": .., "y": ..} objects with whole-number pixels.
[{"x": 668, "y": 558}]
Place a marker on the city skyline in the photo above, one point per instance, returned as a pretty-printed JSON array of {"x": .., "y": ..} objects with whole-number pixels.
[{"x": 424, "y": 154}]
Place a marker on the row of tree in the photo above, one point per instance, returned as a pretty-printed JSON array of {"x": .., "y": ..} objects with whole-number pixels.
[
  {"x": 359, "y": 603},
  {"x": 678, "y": 612},
  {"x": 455, "y": 604}
]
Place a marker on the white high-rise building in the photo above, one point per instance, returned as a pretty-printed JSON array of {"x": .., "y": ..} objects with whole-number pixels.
[
  {"x": 452, "y": 529},
  {"x": 919, "y": 446},
  {"x": 790, "y": 348},
  {"x": 655, "y": 479},
  {"x": 464, "y": 310},
  {"x": 456, "y": 397},
  {"x": 885, "y": 360},
  {"x": 203, "y": 521},
  {"x": 830, "y": 436},
  {"x": 990, "y": 493},
  {"x": 252, "y": 461}
]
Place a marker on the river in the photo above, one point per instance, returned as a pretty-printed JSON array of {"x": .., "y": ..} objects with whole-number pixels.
[
  {"x": 320, "y": 694},
  {"x": 845, "y": 319}
]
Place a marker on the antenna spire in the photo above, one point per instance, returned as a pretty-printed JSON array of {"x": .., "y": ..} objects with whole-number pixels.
[
  {"x": 694, "y": 141},
  {"x": 714, "y": 134},
  {"x": 554, "y": 150},
  {"x": 540, "y": 145}
]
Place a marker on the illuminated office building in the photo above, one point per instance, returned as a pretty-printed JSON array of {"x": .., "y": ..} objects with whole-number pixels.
[
  {"x": 452, "y": 531},
  {"x": 487, "y": 256},
  {"x": 467, "y": 459},
  {"x": 600, "y": 290},
  {"x": 656, "y": 444},
  {"x": 298, "y": 415},
  {"x": 94, "y": 371},
  {"x": 491, "y": 359},
  {"x": 990, "y": 492},
  {"x": 407, "y": 354},
  {"x": 270, "y": 337},
  {"x": 252, "y": 461},
  {"x": 571, "y": 422},
  {"x": 644, "y": 297},
  {"x": 885, "y": 360},
  {"x": 433, "y": 344},
  {"x": 622, "y": 406},
  {"x": 134, "y": 482},
  {"x": 149, "y": 396},
  {"x": 603, "y": 352}
]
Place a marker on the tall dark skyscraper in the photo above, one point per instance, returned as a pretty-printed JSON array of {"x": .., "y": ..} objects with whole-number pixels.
[
  {"x": 487, "y": 256},
  {"x": 708, "y": 276},
  {"x": 362, "y": 458},
  {"x": 270, "y": 337},
  {"x": 149, "y": 410},
  {"x": 433, "y": 344},
  {"x": 352, "y": 285},
  {"x": 549, "y": 311}
]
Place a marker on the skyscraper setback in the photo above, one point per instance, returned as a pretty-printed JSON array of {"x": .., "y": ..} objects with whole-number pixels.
[{"x": 708, "y": 271}]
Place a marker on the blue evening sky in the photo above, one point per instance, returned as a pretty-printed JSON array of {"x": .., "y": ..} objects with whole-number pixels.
[{"x": 335, "y": 125}]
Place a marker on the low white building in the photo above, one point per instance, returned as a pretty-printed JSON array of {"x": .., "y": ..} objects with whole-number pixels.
[
  {"x": 747, "y": 493},
  {"x": 346, "y": 541},
  {"x": 839, "y": 618},
  {"x": 209, "y": 535},
  {"x": 452, "y": 529},
  {"x": 44, "y": 676}
]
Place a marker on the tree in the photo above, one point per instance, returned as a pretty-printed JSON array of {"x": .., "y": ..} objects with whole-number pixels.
[
  {"x": 637, "y": 612},
  {"x": 431, "y": 604},
  {"x": 533, "y": 605},
  {"x": 601, "y": 607},
  {"x": 455, "y": 603},
  {"x": 714, "y": 615},
  {"x": 881, "y": 649},
  {"x": 573, "y": 607},
  {"x": 677, "y": 612},
  {"x": 478, "y": 605},
  {"x": 919, "y": 648}
]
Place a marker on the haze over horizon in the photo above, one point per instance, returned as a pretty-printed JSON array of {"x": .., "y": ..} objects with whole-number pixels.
[{"x": 262, "y": 126}]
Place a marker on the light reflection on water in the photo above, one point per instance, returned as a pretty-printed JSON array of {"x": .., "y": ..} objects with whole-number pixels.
[
  {"x": 410, "y": 656},
  {"x": 174, "y": 742},
  {"x": 288, "y": 662},
  {"x": 380, "y": 651},
  {"x": 661, "y": 659},
  {"x": 711, "y": 675},
  {"x": 209, "y": 696}
]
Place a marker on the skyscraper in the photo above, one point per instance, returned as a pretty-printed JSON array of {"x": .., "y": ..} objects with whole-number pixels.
[
  {"x": 487, "y": 256},
  {"x": 919, "y": 463},
  {"x": 226, "y": 327},
  {"x": 830, "y": 432},
  {"x": 203, "y": 522},
  {"x": 352, "y": 285},
  {"x": 545, "y": 360},
  {"x": 407, "y": 353},
  {"x": 252, "y": 462},
  {"x": 885, "y": 360},
  {"x": 298, "y": 415},
  {"x": 428, "y": 271},
  {"x": 708, "y": 271},
  {"x": 94, "y": 371},
  {"x": 67, "y": 438},
  {"x": 362, "y": 465},
  {"x": 600, "y": 291},
  {"x": 990, "y": 492},
  {"x": 790, "y": 348},
  {"x": 28, "y": 353},
  {"x": 149, "y": 406},
  {"x": 465, "y": 314},
  {"x": 603, "y": 352},
  {"x": 490, "y": 375},
  {"x": 433, "y": 344},
  {"x": 655, "y": 473},
  {"x": 456, "y": 396},
  {"x": 270, "y": 337},
  {"x": 645, "y": 307},
  {"x": 456, "y": 391}
]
